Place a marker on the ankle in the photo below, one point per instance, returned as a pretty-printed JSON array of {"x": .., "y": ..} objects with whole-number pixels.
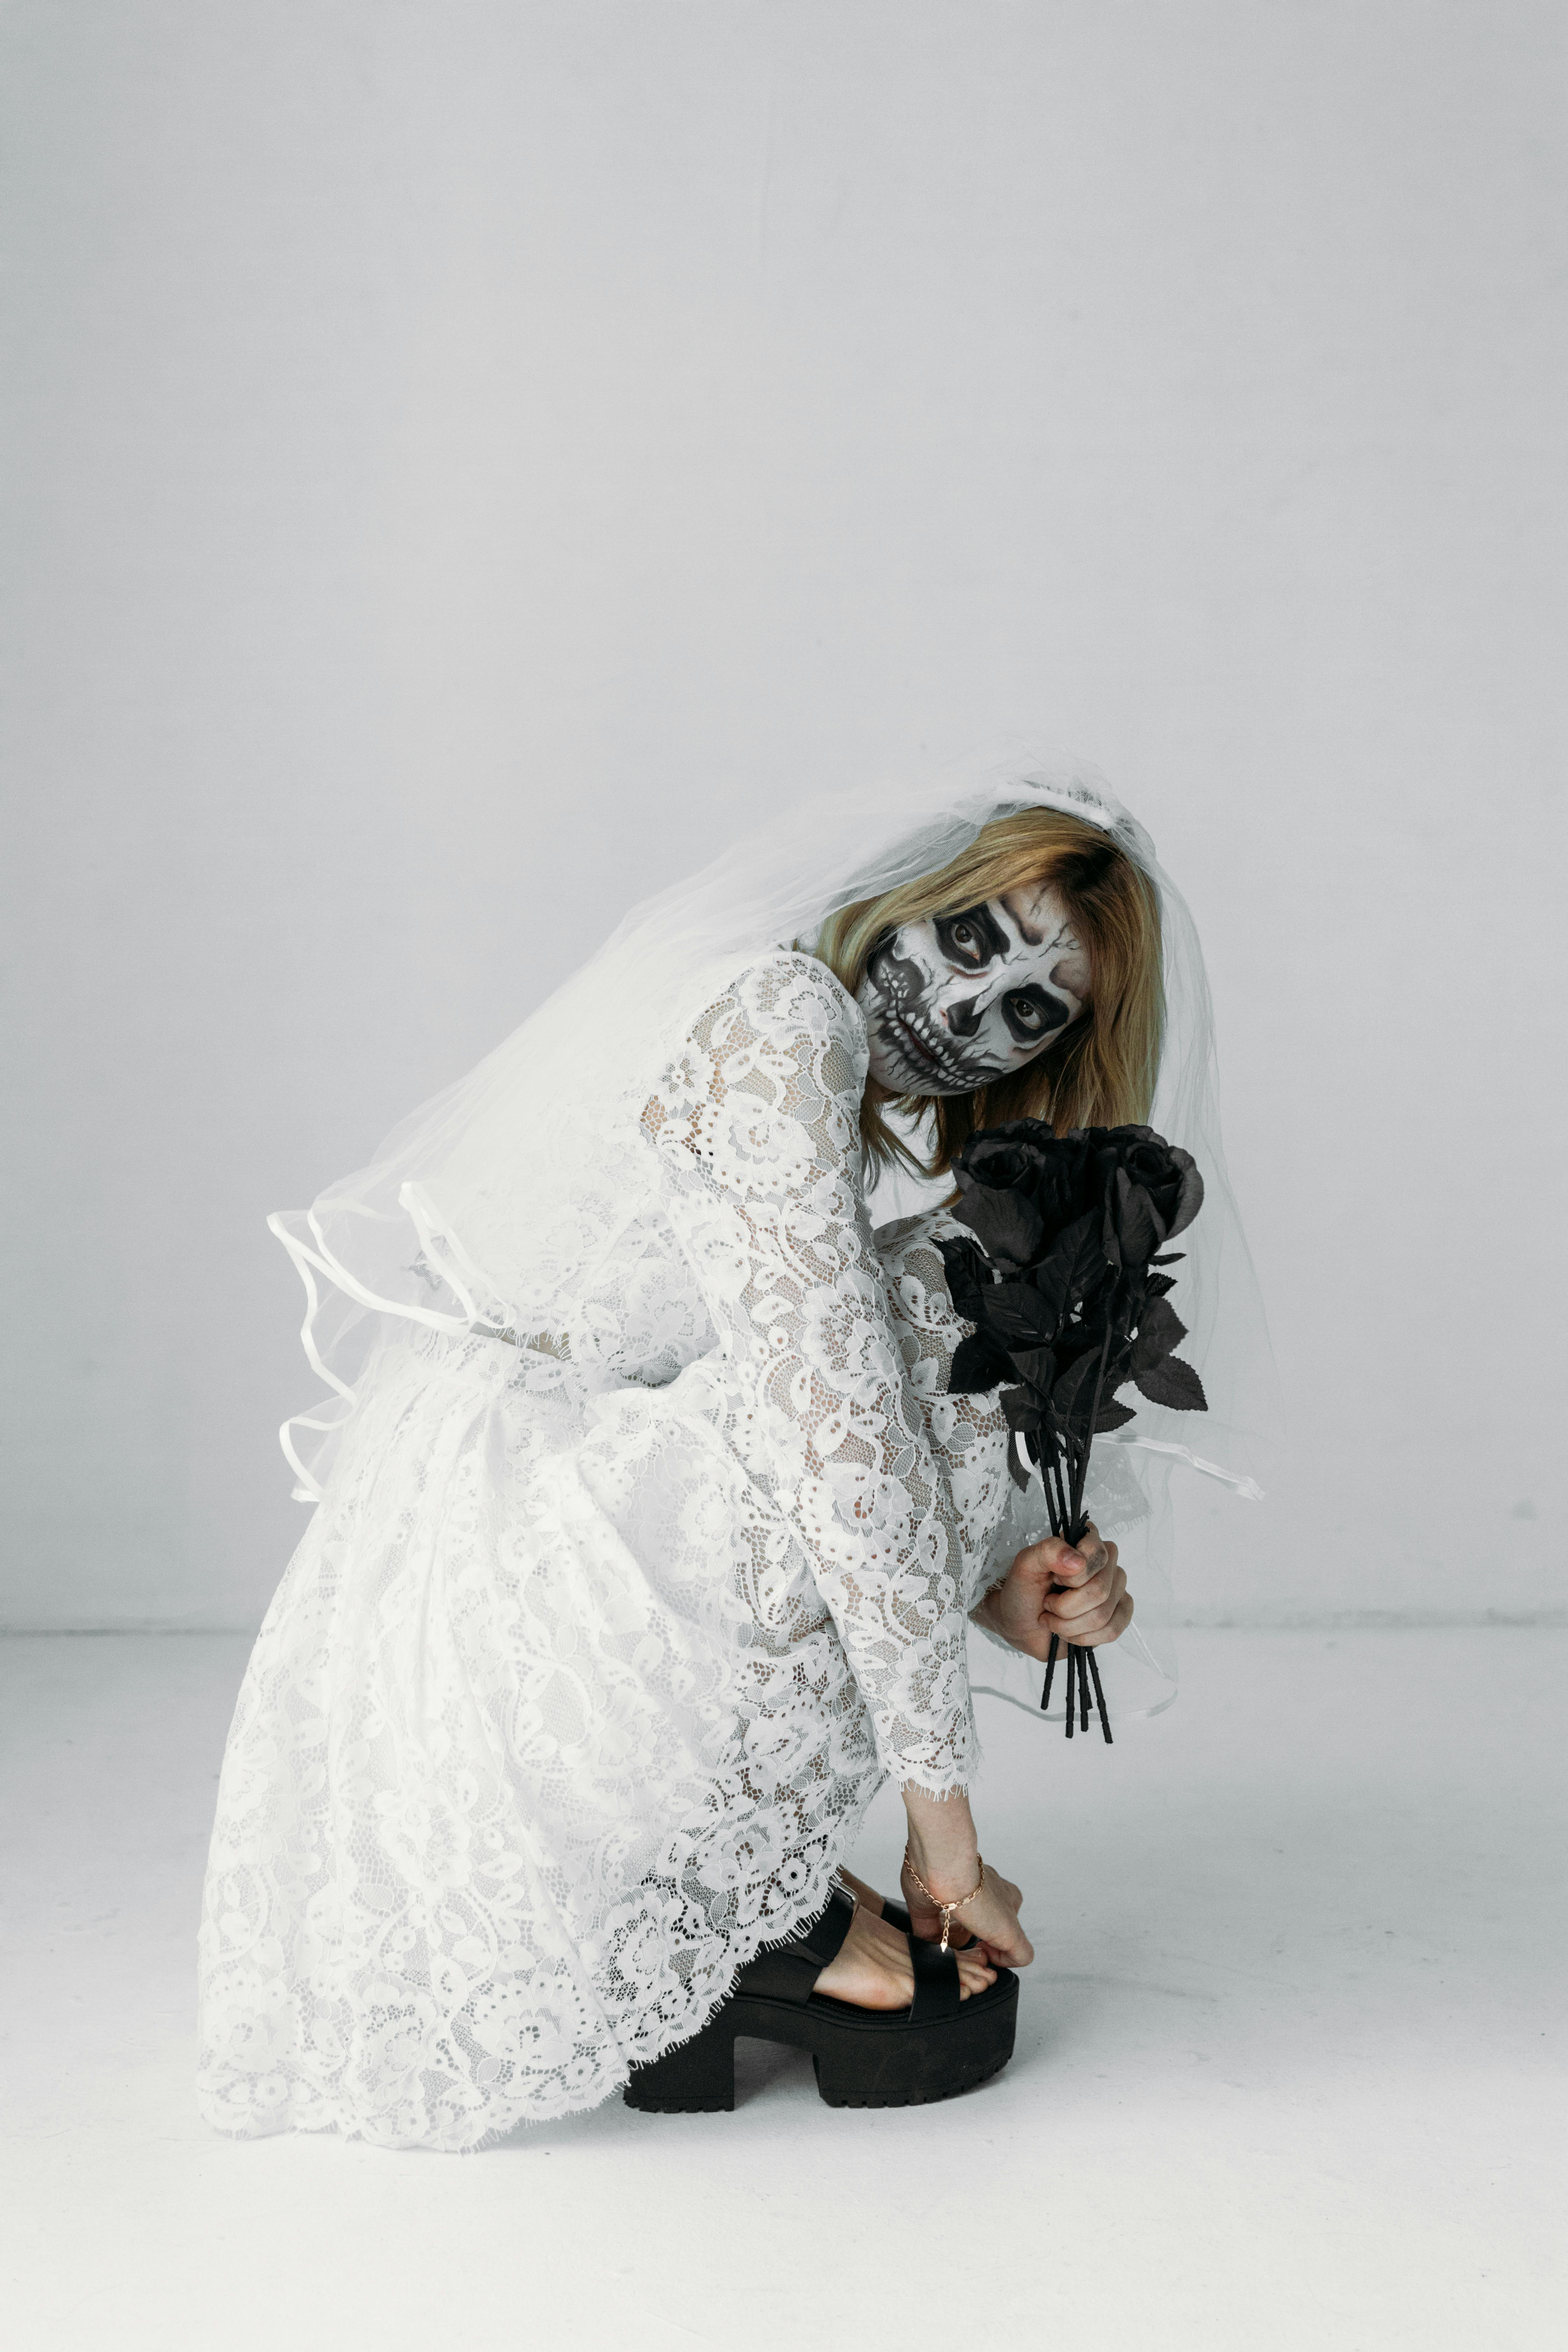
[{"x": 949, "y": 1873}]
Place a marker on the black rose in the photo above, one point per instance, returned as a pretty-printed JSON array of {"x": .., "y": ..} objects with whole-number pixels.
[
  {"x": 1021, "y": 1185},
  {"x": 1064, "y": 1285},
  {"x": 1153, "y": 1190}
]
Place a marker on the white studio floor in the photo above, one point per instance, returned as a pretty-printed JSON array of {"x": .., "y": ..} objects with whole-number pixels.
[{"x": 1288, "y": 2072}]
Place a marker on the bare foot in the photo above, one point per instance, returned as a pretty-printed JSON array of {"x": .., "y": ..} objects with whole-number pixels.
[
  {"x": 865, "y": 1896},
  {"x": 871, "y": 1968}
]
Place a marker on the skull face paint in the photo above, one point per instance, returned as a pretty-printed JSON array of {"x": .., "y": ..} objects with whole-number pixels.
[{"x": 956, "y": 1002}]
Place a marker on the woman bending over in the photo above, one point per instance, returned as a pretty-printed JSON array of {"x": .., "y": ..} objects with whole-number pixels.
[{"x": 647, "y": 1539}]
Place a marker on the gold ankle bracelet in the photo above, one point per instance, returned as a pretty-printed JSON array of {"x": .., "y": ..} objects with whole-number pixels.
[{"x": 947, "y": 1910}]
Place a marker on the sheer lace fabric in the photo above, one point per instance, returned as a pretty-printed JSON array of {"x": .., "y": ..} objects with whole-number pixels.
[{"x": 606, "y": 1632}]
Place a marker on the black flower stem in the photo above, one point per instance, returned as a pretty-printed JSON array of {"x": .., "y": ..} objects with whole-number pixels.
[
  {"x": 1050, "y": 1466},
  {"x": 1058, "y": 1502},
  {"x": 1099, "y": 1696},
  {"x": 1045, "y": 1444},
  {"x": 1051, "y": 1656},
  {"x": 1072, "y": 1691},
  {"x": 1083, "y": 1690},
  {"x": 1082, "y": 1478}
]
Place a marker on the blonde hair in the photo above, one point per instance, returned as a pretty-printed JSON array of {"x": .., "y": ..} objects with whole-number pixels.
[{"x": 1100, "y": 1071}]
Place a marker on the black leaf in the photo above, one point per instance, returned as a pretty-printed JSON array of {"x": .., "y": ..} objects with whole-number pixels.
[
  {"x": 1048, "y": 1281},
  {"x": 1020, "y": 1410},
  {"x": 1015, "y": 1315},
  {"x": 1161, "y": 1331},
  {"x": 1037, "y": 1367},
  {"x": 977, "y": 1364},
  {"x": 1113, "y": 1415},
  {"x": 1084, "y": 1258},
  {"x": 1072, "y": 1392},
  {"x": 1076, "y": 1339},
  {"x": 1173, "y": 1384}
]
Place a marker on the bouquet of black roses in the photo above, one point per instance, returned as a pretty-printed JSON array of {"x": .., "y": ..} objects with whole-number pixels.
[{"x": 1065, "y": 1284}]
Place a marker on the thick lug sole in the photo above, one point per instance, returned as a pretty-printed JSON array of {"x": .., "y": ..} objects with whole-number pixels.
[{"x": 862, "y": 2058}]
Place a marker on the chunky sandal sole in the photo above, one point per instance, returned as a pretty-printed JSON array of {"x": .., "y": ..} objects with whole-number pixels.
[{"x": 863, "y": 2057}]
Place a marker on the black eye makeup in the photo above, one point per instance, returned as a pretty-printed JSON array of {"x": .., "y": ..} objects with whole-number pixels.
[
  {"x": 1033, "y": 1012},
  {"x": 970, "y": 939}
]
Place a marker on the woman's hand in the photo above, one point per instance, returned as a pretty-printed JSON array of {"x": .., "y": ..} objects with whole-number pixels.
[
  {"x": 1080, "y": 1596},
  {"x": 991, "y": 1919},
  {"x": 943, "y": 1848}
]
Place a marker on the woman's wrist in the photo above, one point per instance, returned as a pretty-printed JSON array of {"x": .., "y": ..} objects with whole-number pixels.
[
  {"x": 983, "y": 1612},
  {"x": 943, "y": 1842}
]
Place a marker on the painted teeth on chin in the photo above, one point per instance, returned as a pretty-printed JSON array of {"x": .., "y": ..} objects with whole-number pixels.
[
  {"x": 942, "y": 1062},
  {"x": 898, "y": 1015}
]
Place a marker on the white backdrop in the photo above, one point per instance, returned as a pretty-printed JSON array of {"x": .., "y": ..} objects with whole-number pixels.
[{"x": 466, "y": 459}]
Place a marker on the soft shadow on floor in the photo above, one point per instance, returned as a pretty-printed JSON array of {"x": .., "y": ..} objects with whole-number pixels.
[{"x": 1288, "y": 2069}]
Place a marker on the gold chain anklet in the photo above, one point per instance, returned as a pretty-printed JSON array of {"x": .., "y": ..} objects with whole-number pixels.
[{"x": 947, "y": 1910}]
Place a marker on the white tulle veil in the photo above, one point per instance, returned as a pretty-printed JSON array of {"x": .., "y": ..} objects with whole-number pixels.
[{"x": 473, "y": 1208}]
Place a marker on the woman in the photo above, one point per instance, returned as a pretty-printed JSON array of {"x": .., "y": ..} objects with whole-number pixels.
[{"x": 647, "y": 1535}]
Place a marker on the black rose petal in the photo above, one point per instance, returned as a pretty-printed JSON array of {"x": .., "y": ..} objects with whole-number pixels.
[
  {"x": 1133, "y": 1230},
  {"x": 1004, "y": 1156},
  {"x": 1190, "y": 1198},
  {"x": 968, "y": 1277},
  {"x": 1007, "y": 1225}
]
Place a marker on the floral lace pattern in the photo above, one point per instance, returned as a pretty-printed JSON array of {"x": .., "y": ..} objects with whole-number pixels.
[{"x": 599, "y": 1644}]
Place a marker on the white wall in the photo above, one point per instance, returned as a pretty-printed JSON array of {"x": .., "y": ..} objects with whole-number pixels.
[{"x": 467, "y": 457}]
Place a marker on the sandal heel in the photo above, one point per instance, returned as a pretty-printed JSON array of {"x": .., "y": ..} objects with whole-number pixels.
[{"x": 695, "y": 2078}]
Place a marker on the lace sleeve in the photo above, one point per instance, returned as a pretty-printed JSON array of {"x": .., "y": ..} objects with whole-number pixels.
[
  {"x": 968, "y": 1435},
  {"x": 756, "y": 1126}
]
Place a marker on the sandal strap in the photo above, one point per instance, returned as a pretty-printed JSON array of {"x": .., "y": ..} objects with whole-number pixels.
[
  {"x": 937, "y": 1989},
  {"x": 823, "y": 1940},
  {"x": 788, "y": 1971}
]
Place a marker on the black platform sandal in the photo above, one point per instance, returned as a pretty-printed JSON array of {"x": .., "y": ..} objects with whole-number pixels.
[{"x": 940, "y": 2045}]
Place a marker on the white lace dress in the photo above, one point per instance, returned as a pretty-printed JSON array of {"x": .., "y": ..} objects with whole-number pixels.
[{"x": 604, "y": 1636}]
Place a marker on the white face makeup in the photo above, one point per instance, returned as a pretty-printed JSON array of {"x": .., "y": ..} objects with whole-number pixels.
[{"x": 956, "y": 1002}]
